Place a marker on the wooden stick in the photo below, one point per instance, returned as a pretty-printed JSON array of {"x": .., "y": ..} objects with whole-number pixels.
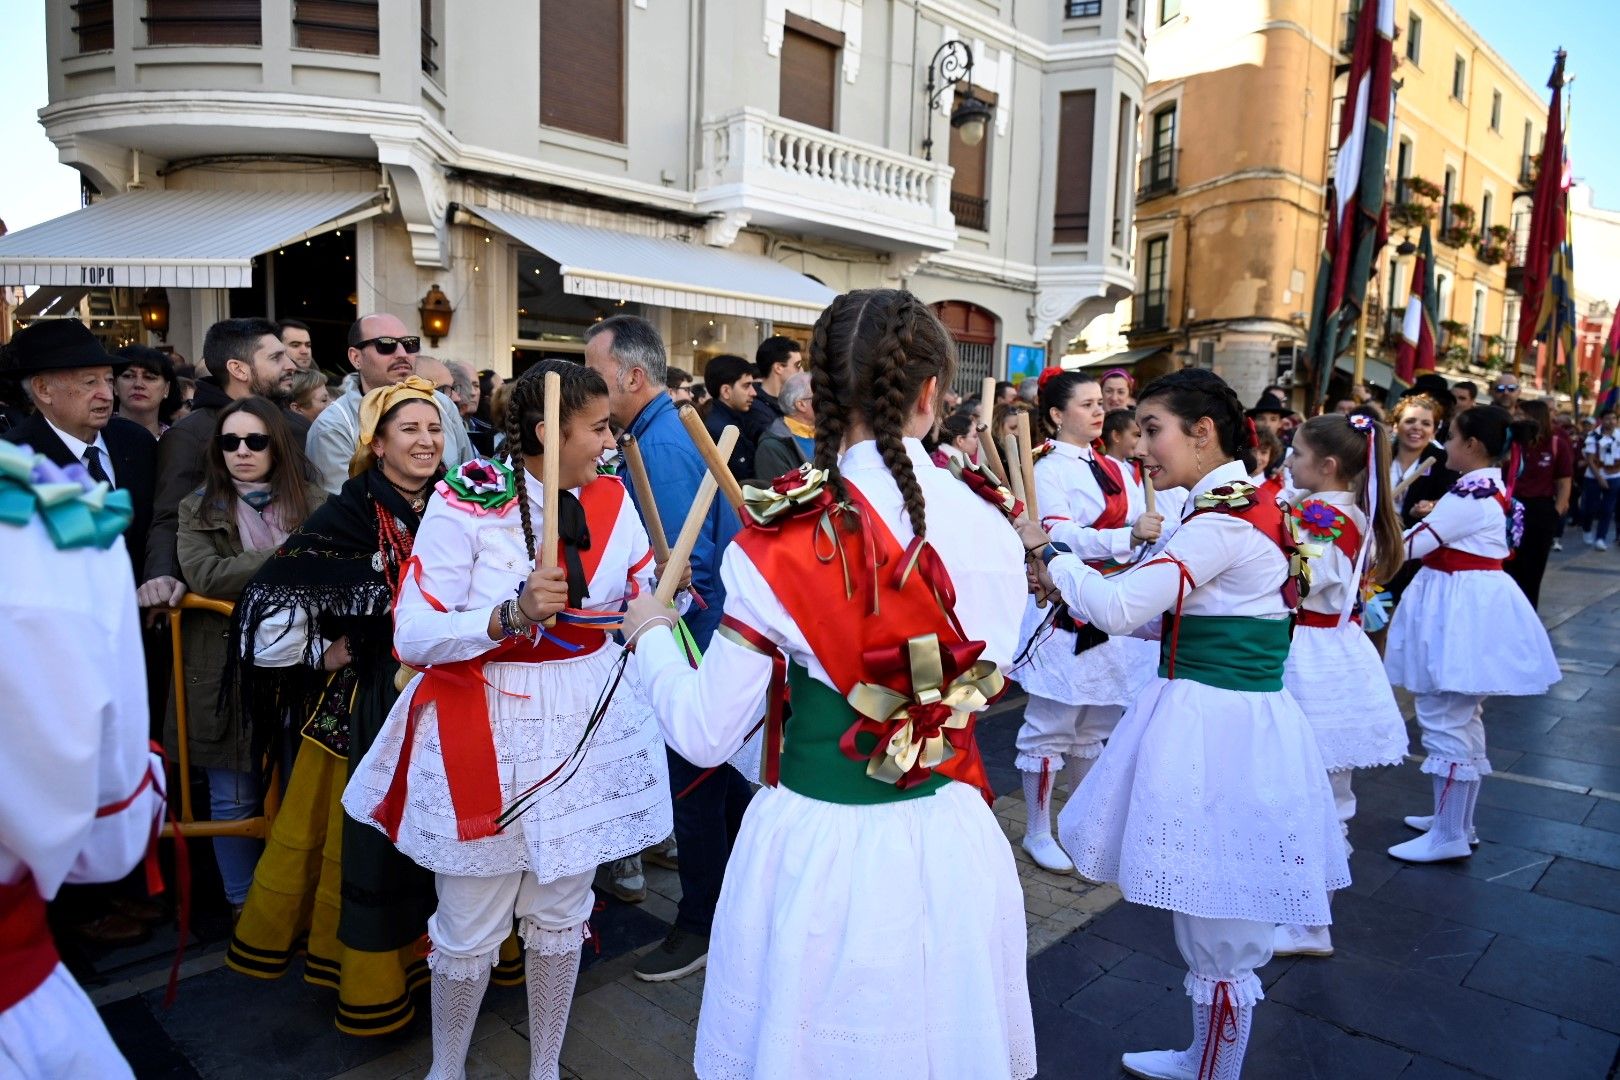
[
  {"x": 644, "y": 496},
  {"x": 1026, "y": 465},
  {"x": 1015, "y": 478},
  {"x": 716, "y": 461},
  {"x": 991, "y": 455},
  {"x": 675, "y": 566},
  {"x": 987, "y": 438},
  {"x": 987, "y": 399},
  {"x": 551, "y": 473},
  {"x": 1148, "y": 493},
  {"x": 1400, "y": 488}
]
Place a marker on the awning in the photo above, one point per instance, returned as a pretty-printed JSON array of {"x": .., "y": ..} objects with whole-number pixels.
[
  {"x": 1112, "y": 360},
  {"x": 1372, "y": 371},
  {"x": 53, "y": 303},
  {"x": 613, "y": 265},
  {"x": 173, "y": 239}
]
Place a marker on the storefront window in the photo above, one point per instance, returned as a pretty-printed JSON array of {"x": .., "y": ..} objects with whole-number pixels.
[{"x": 545, "y": 313}]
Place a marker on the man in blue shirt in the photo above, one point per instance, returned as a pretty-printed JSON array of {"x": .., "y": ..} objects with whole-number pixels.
[{"x": 628, "y": 353}]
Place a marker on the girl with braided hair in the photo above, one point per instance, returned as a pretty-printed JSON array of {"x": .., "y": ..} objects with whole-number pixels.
[
  {"x": 1079, "y": 680},
  {"x": 1210, "y": 799},
  {"x": 517, "y": 761},
  {"x": 869, "y": 872}
]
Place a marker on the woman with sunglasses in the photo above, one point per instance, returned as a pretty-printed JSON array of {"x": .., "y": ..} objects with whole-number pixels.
[
  {"x": 256, "y": 491},
  {"x": 383, "y": 353}
]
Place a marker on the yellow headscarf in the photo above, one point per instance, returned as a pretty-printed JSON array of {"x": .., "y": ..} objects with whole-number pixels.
[{"x": 375, "y": 405}]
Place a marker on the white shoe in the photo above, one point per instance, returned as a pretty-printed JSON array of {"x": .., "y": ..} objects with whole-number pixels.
[
  {"x": 1159, "y": 1065},
  {"x": 1589, "y": 536},
  {"x": 1601, "y": 545},
  {"x": 1422, "y": 823},
  {"x": 1047, "y": 854},
  {"x": 1301, "y": 941},
  {"x": 1428, "y": 849},
  {"x": 1558, "y": 545}
]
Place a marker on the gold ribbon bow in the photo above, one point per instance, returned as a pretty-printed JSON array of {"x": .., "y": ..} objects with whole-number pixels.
[
  {"x": 785, "y": 495},
  {"x": 917, "y": 731}
]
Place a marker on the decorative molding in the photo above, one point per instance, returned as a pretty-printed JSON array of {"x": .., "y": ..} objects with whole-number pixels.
[
  {"x": 422, "y": 195},
  {"x": 842, "y": 15},
  {"x": 722, "y": 229},
  {"x": 1066, "y": 295}
]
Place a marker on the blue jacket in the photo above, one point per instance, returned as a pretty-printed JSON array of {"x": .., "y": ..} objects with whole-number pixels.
[{"x": 676, "y": 469}]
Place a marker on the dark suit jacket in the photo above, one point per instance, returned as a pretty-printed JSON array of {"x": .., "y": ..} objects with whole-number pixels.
[
  {"x": 716, "y": 421},
  {"x": 134, "y": 462}
]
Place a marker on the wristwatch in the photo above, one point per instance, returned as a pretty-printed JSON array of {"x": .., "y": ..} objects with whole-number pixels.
[{"x": 1052, "y": 550}]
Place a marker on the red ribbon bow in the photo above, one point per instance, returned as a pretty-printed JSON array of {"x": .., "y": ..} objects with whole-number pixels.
[{"x": 891, "y": 667}]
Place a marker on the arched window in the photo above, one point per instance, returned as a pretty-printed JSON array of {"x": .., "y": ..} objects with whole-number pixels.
[{"x": 973, "y": 328}]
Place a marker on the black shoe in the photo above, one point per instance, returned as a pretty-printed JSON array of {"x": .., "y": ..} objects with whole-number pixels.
[{"x": 680, "y": 954}]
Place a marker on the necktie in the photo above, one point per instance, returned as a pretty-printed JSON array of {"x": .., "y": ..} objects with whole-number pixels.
[{"x": 92, "y": 462}]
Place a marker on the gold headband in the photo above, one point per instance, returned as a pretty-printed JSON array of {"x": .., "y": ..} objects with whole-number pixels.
[{"x": 375, "y": 405}]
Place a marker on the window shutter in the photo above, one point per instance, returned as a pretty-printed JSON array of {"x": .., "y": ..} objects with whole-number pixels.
[
  {"x": 809, "y": 72},
  {"x": 582, "y": 67},
  {"x": 969, "y": 184},
  {"x": 95, "y": 25},
  {"x": 1071, "y": 208},
  {"x": 336, "y": 25},
  {"x": 203, "y": 22}
]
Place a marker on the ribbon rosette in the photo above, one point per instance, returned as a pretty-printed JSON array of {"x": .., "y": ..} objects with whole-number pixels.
[
  {"x": 482, "y": 485},
  {"x": 76, "y": 511},
  {"x": 1477, "y": 488},
  {"x": 923, "y": 726},
  {"x": 803, "y": 490},
  {"x": 1319, "y": 520},
  {"x": 1300, "y": 549},
  {"x": 1234, "y": 496},
  {"x": 983, "y": 483}
]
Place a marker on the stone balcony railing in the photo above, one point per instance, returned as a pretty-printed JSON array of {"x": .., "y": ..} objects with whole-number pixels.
[{"x": 762, "y": 169}]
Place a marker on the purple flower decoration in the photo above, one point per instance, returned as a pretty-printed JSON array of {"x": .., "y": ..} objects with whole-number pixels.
[
  {"x": 1478, "y": 488},
  {"x": 1319, "y": 519},
  {"x": 1515, "y": 525}
]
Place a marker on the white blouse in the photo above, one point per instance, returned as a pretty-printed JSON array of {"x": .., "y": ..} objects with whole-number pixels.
[
  {"x": 1236, "y": 570},
  {"x": 1332, "y": 573},
  {"x": 1463, "y": 522},
  {"x": 706, "y": 714},
  {"x": 1069, "y": 499}
]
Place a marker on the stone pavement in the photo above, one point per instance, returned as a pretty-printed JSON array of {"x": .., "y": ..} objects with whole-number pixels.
[{"x": 1505, "y": 965}]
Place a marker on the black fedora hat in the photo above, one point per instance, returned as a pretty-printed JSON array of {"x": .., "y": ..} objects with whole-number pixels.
[
  {"x": 1270, "y": 403},
  {"x": 56, "y": 345},
  {"x": 1432, "y": 385}
]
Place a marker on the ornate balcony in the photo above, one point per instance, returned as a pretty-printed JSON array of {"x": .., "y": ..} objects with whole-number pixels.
[{"x": 763, "y": 169}]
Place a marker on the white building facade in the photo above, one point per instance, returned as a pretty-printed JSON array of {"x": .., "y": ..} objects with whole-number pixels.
[{"x": 723, "y": 167}]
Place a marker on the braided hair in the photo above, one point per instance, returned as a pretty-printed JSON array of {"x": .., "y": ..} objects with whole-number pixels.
[
  {"x": 1194, "y": 393},
  {"x": 526, "y": 411},
  {"x": 870, "y": 354}
]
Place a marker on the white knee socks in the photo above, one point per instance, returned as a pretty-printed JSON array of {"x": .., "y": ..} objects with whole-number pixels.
[
  {"x": 458, "y": 986},
  {"x": 1038, "y": 823},
  {"x": 551, "y": 962}
]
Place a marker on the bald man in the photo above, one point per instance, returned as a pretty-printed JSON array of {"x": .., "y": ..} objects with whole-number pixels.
[{"x": 382, "y": 351}]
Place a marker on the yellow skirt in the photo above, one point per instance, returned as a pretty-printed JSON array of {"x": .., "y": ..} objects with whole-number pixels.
[{"x": 295, "y": 901}]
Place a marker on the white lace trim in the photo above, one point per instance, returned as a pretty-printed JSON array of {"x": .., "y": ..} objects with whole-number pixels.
[
  {"x": 1472, "y": 769},
  {"x": 537, "y": 939},
  {"x": 1032, "y": 763},
  {"x": 462, "y": 968},
  {"x": 1245, "y": 990}
]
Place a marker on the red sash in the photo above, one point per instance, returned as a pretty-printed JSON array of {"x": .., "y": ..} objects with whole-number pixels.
[
  {"x": 27, "y": 951},
  {"x": 1324, "y": 620},
  {"x": 1450, "y": 561},
  {"x": 864, "y": 598},
  {"x": 459, "y": 691}
]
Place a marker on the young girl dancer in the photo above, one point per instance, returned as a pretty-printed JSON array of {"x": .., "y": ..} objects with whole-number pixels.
[
  {"x": 1464, "y": 631},
  {"x": 503, "y": 704},
  {"x": 864, "y": 876},
  {"x": 1078, "y": 680},
  {"x": 1211, "y": 798},
  {"x": 1333, "y": 671}
]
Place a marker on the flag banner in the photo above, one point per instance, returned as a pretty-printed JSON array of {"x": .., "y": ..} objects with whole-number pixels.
[
  {"x": 1355, "y": 200},
  {"x": 1416, "y": 350},
  {"x": 1548, "y": 211},
  {"x": 1609, "y": 388}
]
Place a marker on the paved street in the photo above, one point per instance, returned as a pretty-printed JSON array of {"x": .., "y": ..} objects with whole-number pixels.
[{"x": 1507, "y": 965}]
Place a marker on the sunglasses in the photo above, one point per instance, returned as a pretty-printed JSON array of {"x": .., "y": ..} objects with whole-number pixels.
[
  {"x": 258, "y": 442},
  {"x": 385, "y": 346},
  {"x": 1506, "y": 388}
]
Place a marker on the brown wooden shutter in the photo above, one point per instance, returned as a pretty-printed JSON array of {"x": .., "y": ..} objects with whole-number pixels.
[
  {"x": 94, "y": 26},
  {"x": 1071, "y": 209},
  {"x": 972, "y": 164},
  {"x": 336, "y": 25},
  {"x": 582, "y": 66},
  {"x": 203, "y": 22},
  {"x": 809, "y": 72}
]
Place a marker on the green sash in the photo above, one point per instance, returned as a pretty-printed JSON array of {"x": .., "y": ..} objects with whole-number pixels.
[{"x": 1233, "y": 652}]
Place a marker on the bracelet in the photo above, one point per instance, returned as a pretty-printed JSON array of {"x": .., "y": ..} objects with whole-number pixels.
[
  {"x": 514, "y": 624},
  {"x": 662, "y": 620}
]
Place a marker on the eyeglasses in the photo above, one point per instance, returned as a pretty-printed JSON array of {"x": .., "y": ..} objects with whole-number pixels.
[
  {"x": 1506, "y": 388},
  {"x": 385, "y": 346},
  {"x": 258, "y": 442}
]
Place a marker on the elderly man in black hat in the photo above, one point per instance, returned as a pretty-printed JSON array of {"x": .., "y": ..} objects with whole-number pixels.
[
  {"x": 1268, "y": 414},
  {"x": 69, "y": 378}
]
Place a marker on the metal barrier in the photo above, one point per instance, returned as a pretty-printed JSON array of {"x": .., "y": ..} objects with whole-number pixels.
[{"x": 257, "y": 827}]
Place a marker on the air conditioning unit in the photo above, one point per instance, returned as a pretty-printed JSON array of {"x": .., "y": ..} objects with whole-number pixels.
[
  {"x": 1287, "y": 355},
  {"x": 1206, "y": 355}
]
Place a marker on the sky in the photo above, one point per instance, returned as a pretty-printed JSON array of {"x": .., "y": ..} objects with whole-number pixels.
[{"x": 34, "y": 186}]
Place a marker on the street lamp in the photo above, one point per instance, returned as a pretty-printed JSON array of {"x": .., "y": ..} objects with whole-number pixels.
[
  {"x": 154, "y": 308},
  {"x": 953, "y": 64},
  {"x": 436, "y": 312}
]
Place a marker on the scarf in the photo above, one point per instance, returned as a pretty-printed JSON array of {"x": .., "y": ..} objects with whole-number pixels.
[{"x": 258, "y": 519}]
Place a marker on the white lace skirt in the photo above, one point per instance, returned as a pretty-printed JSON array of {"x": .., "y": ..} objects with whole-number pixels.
[
  {"x": 615, "y": 804},
  {"x": 855, "y": 941},
  {"x": 1338, "y": 679},
  {"x": 1471, "y": 632},
  {"x": 1213, "y": 803},
  {"x": 1112, "y": 673}
]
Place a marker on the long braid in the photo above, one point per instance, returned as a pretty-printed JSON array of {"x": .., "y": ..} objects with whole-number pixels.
[
  {"x": 829, "y": 379},
  {"x": 888, "y": 408},
  {"x": 515, "y": 404}
]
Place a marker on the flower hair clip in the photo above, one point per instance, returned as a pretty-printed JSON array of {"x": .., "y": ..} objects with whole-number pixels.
[{"x": 1361, "y": 423}]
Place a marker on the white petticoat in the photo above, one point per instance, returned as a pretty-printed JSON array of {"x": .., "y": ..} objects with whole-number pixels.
[
  {"x": 1112, "y": 673},
  {"x": 1470, "y": 632},
  {"x": 616, "y": 804},
  {"x": 879, "y": 940},
  {"x": 1337, "y": 678},
  {"x": 1214, "y": 803}
]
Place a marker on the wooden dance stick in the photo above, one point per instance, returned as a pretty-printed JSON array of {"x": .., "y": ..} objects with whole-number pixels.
[
  {"x": 987, "y": 399},
  {"x": 992, "y": 455},
  {"x": 1147, "y": 491},
  {"x": 681, "y": 554},
  {"x": 1400, "y": 488},
  {"x": 551, "y": 473},
  {"x": 713, "y": 457},
  {"x": 1015, "y": 477},
  {"x": 1026, "y": 465},
  {"x": 644, "y": 496}
]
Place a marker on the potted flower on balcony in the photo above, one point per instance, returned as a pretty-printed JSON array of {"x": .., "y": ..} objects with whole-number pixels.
[
  {"x": 1411, "y": 215},
  {"x": 1495, "y": 358},
  {"x": 1422, "y": 190},
  {"x": 1451, "y": 329},
  {"x": 1458, "y": 230}
]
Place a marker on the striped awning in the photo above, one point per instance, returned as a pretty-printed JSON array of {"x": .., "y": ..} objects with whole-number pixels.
[
  {"x": 173, "y": 239},
  {"x": 653, "y": 270}
]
